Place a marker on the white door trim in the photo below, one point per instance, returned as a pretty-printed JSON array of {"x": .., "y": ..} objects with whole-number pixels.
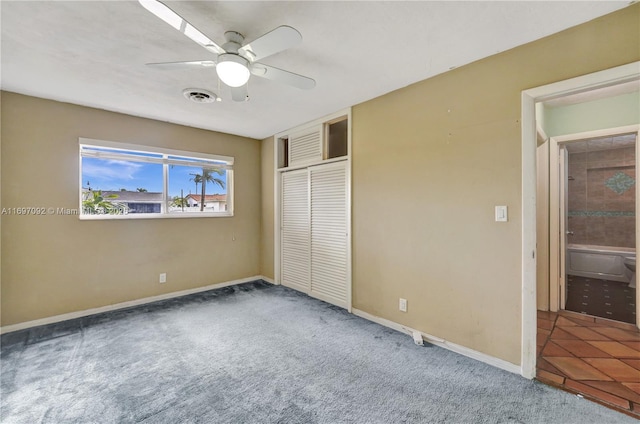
[
  {"x": 529, "y": 98},
  {"x": 554, "y": 226},
  {"x": 543, "y": 268},
  {"x": 563, "y": 184}
]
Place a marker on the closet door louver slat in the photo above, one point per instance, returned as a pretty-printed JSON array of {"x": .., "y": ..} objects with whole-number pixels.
[
  {"x": 329, "y": 233},
  {"x": 305, "y": 146},
  {"x": 295, "y": 256}
]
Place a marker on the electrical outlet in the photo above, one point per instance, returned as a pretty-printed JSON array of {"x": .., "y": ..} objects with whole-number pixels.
[
  {"x": 163, "y": 277},
  {"x": 403, "y": 305}
]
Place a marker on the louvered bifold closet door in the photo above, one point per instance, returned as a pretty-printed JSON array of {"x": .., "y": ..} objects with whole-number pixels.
[
  {"x": 305, "y": 146},
  {"x": 329, "y": 233},
  {"x": 295, "y": 254}
]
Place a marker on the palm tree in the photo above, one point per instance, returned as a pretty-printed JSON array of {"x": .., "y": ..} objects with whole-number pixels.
[
  {"x": 208, "y": 176},
  {"x": 197, "y": 178},
  {"x": 94, "y": 203},
  {"x": 179, "y": 202}
]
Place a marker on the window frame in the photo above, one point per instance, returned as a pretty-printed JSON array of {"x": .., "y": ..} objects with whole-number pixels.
[{"x": 165, "y": 161}]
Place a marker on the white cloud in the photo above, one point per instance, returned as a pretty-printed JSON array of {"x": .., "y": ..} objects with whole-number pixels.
[{"x": 111, "y": 170}]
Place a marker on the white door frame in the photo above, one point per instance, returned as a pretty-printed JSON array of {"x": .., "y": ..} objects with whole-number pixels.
[
  {"x": 556, "y": 220},
  {"x": 542, "y": 220},
  {"x": 609, "y": 77},
  {"x": 558, "y": 160}
]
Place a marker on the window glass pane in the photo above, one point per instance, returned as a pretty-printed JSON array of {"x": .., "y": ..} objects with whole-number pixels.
[
  {"x": 119, "y": 187},
  {"x": 136, "y": 181},
  {"x": 188, "y": 185},
  {"x": 337, "y": 139}
]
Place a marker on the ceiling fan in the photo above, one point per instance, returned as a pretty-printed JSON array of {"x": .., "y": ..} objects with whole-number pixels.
[{"x": 235, "y": 62}]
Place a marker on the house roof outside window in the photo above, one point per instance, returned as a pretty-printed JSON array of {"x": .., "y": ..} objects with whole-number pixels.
[
  {"x": 208, "y": 198},
  {"x": 135, "y": 196}
]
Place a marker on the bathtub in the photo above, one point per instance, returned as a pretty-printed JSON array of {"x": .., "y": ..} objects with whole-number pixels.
[{"x": 603, "y": 262}]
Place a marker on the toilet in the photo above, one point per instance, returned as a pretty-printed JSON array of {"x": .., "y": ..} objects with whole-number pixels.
[{"x": 630, "y": 263}]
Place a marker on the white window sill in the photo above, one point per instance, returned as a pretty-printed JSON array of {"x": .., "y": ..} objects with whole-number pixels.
[{"x": 187, "y": 215}]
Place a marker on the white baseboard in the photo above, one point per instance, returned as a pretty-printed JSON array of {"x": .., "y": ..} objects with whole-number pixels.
[
  {"x": 482, "y": 357},
  {"x": 128, "y": 304},
  {"x": 465, "y": 351}
]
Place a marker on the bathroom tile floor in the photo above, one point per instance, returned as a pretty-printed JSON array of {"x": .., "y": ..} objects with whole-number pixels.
[{"x": 591, "y": 356}]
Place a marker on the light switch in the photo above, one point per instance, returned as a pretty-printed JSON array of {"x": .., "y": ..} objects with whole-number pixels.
[{"x": 501, "y": 214}]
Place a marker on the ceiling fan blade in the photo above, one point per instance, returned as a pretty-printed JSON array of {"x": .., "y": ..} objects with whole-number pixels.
[
  {"x": 285, "y": 77},
  {"x": 272, "y": 42},
  {"x": 184, "y": 65},
  {"x": 239, "y": 94},
  {"x": 176, "y": 21}
]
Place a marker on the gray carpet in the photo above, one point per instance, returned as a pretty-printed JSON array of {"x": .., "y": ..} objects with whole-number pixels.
[{"x": 257, "y": 353}]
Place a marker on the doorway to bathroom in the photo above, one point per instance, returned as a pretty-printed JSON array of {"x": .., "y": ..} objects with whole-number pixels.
[
  {"x": 598, "y": 358},
  {"x": 596, "y": 184},
  {"x": 599, "y": 105},
  {"x": 590, "y": 344}
]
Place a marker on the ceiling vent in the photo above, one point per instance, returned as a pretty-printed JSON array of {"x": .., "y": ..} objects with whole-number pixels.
[{"x": 199, "y": 95}]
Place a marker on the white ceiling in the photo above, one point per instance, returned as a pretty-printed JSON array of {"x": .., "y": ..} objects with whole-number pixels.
[{"x": 93, "y": 53}]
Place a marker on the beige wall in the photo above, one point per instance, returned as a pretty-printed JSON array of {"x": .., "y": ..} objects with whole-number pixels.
[
  {"x": 444, "y": 152},
  {"x": 267, "y": 161},
  {"x": 431, "y": 161},
  {"x": 58, "y": 264}
]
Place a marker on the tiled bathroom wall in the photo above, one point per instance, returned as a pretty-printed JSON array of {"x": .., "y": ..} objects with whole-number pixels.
[{"x": 601, "y": 190}]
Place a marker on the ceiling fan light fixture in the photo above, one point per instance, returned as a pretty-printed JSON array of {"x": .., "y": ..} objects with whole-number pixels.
[{"x": 233, "y": 69}]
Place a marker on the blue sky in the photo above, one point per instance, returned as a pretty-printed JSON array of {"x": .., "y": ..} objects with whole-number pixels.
[{"x": 113, "y": 175}]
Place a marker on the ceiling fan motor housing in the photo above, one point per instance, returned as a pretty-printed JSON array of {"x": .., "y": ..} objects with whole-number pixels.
[{"x": 234, "y": 42}]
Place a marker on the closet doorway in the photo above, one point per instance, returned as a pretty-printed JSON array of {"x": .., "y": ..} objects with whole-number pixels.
[{"x": 313, "y": 250}]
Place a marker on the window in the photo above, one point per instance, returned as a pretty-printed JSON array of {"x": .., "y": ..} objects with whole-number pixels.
[
  {"x": 120, "y": 181},
  {"x": 336, "y": 138}
]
